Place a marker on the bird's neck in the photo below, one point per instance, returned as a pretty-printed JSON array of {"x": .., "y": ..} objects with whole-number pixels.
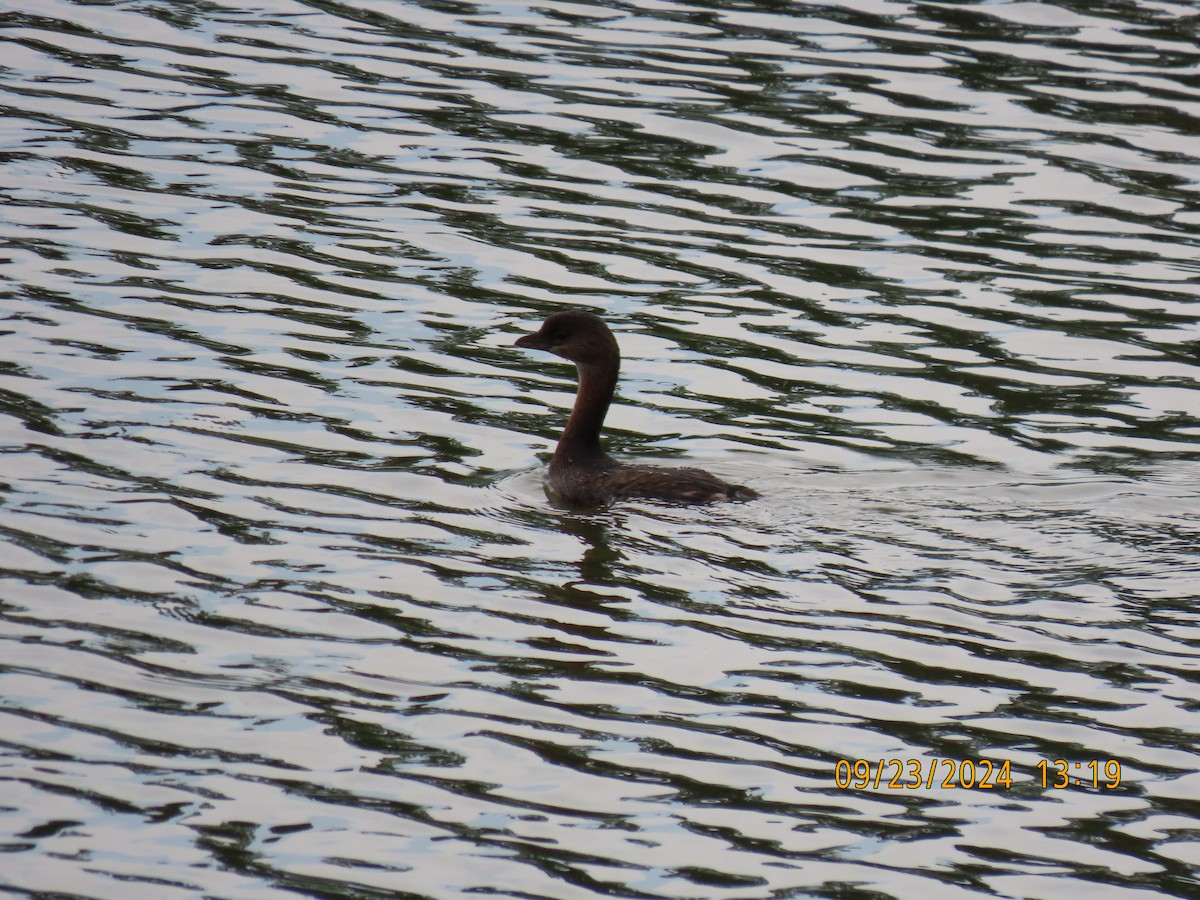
[{"x": 581, "y": 437}]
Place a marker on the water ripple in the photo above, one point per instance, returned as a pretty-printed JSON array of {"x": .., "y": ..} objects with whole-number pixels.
[{"x": 286, "y": 607}]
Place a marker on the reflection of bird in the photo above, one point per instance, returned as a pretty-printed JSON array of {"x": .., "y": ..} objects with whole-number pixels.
[{"x": 581, "y": 472}]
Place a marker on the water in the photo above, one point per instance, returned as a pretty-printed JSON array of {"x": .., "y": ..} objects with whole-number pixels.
[{"x": 285, "y": 608}]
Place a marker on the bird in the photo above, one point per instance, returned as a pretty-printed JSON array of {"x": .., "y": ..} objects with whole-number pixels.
[{"x": 581, "y": 472}]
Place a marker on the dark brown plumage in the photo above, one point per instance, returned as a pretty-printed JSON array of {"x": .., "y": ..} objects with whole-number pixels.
[{"x": 581, "y": 473}]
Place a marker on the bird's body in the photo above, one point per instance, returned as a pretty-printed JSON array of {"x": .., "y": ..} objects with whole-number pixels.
[{"x": 581, "y": 473}]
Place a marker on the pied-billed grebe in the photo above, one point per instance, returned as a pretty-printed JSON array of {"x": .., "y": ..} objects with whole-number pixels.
[{"x": 581, "y": 472}]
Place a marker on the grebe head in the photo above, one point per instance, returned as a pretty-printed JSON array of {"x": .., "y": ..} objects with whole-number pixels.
[{"x": 576, "y": 335}]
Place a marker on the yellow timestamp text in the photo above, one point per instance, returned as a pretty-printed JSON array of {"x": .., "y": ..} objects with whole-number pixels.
[
  {"x": 980, "y": 774},
  {"x": 1058, "y": 773}
]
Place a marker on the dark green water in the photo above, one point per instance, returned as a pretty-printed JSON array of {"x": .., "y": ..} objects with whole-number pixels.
[{"x": 284, "y": 608}]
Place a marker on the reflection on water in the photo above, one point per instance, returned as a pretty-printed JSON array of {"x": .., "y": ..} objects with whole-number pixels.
[{"x": 285, "y": 607}]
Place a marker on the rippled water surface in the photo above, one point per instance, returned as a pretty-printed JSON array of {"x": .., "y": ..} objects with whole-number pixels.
[{"x": 284, "y": 607}]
